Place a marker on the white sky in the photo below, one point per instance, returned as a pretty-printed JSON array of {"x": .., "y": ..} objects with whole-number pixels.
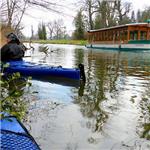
[{"x": 35, "y": 16}]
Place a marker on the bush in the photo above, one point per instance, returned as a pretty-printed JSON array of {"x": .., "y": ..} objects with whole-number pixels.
[{"x": 13, "y": 89}]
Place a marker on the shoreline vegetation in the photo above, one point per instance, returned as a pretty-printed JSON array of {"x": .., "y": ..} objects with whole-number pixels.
[{"x": 69, "y": 42}]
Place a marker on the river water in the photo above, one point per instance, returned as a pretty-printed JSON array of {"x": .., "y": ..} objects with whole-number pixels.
[{"x": 107, "y": 113}]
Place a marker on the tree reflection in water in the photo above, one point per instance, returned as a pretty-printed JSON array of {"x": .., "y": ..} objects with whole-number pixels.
[
  {"x": 101, "y": 76},
  {"x": 145, "y": 113},
  {"x": 104, "y": 71}
]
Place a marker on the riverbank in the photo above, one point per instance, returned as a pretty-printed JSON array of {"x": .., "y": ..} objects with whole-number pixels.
[{"x": 70, "y": 42}]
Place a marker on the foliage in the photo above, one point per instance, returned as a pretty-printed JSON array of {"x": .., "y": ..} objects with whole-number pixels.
[
  {"x": 138, "y": 16},
  {"x": 79, "y": 32},
  {"x": 42, "y": 31},
  {"x": 145, "y": 15},
  {"x": 12, "y": 90},
  {"x": 126, "y": 20},
  {"x": 104, "y": 16},
  {"x": 146, "y": 131},
  {"x": 133, "y": 20},
  {"x": 88, "y": 9},
  {"x": 122, "y": 10}
]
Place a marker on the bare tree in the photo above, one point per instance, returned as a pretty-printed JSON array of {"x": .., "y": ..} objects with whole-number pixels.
[
  {"x": 56, "y": 29},
  {"x": 133, "y": 17},
  {"x": 122, "y": 9},
  {"x": 12, "y": 11},
  {"x": 88, "y": 6},
  {"x": 102, "y": 9},
  {"x": 50, "y": 26},
  {"x": 90, "y": 9},
  {"x": 105, "y": 15},
  {"x": 59, "y": 29}
]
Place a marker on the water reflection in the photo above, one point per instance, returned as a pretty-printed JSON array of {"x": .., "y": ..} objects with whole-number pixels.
[
  {"x": 108, "y": 112},
  {"x": 145, "y": 112}
]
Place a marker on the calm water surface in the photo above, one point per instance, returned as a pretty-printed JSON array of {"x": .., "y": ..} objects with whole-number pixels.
[{"x": 107, "y": 113}]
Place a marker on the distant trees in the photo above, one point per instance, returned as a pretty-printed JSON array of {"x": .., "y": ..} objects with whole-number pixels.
[
  {"x": 103, "y": 13},
  {"x": 56, "y": 29},
  {"x": 51, "y": 30},
  {"x": 138, "y": 16},
  {"x": 106, "y": 13},
  {"x": 144, "y": 15},
  {"x": 122, "y": 10},
  {"x": 88, "y": 6},
  {"x": 79, "y": 32},
  {"x": 133, "y": 19},
  {"x": 50, "y": 26},
  {"x": 12, "y": 11},
  {"x": 42, "y": 31},
  {"x": 59, "y": 29}
]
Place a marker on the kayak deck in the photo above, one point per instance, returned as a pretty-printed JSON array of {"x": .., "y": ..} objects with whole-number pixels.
[
  {"x": 33, "y": 69},
  {"x": 15, "y": 136}
]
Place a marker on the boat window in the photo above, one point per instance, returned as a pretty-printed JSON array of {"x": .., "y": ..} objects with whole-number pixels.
[
  {"x": 104, "y": 35},
  {"x": 91, "y": 37},
  {"x": 117, "y": 35},
  {"x": 100, "y": 36},
  {"x": 94, "y": 36},
  {"x": 125, "y": 35},
  {"x": 133, "y": 35},
  {"x": 111, "y": 37},
  {"x": 121, "y": 35},
  {"x": 143, "y": 35}
]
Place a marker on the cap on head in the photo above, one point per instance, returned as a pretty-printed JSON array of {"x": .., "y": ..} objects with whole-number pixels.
[{"x": 12, "y": 37}]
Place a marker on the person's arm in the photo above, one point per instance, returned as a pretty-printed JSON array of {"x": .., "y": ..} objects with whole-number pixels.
[
  {"x": 4, "y": 52},
  {"x": 23, "y": 47}
]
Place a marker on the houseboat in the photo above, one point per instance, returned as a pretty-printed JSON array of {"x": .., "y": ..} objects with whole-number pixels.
[{"x": 135, "y": 36}]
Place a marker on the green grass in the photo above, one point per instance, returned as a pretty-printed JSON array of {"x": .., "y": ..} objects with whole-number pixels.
[{"x": 70, "y": 42}]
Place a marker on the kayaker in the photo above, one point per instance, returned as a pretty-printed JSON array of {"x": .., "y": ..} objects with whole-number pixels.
[{"x": 13, "y": 50}]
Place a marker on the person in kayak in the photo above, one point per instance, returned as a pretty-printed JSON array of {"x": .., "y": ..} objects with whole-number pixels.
[{"x": 13, "y": 50}]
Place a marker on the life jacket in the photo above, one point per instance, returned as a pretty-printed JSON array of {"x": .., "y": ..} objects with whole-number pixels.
[{"x": 12, "y": 51}]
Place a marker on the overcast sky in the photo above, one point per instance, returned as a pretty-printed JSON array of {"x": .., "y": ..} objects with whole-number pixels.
[{"x": 35, "y": 16}]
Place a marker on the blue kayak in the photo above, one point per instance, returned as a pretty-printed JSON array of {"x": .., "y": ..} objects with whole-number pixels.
[
  {"x": 14, "y": 136},
  {"x": 33, "y": 69}
]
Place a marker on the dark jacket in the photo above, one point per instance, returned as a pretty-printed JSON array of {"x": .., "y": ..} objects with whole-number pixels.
[{"x": 12, "y": 51}]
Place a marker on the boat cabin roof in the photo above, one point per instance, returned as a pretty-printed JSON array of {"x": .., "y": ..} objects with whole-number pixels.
[{"x": 121, "y": 26}]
